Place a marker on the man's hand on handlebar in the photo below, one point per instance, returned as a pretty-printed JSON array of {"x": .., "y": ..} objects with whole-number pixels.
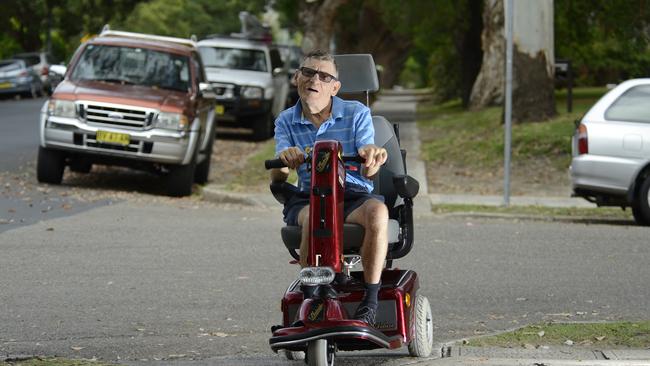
[
  {"x": 375, "y": 157},
  {"x": 292, "y": 157}
]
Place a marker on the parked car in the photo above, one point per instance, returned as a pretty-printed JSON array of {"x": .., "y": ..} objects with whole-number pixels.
[
  {"x": 292, "y": 57},
  {"x": 250, "y": 80},
  {"x": 611, "y": 150},
  {"x": 40, "y": 62},
  {"x": 16, "y": 77},
  {"x": 135, "y": 100}
]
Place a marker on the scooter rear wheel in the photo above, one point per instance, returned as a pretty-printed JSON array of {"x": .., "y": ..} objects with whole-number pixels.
[
  {"x": 422, "y": 343},
  {"x": 319, "y": 353}
]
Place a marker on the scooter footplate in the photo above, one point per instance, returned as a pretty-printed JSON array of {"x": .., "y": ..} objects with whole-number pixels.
[{"x": 355, "y": 336}]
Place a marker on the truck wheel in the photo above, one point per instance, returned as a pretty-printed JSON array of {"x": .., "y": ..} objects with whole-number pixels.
[
  {"x": 202, "y": 172},
  {"x": 422, "y": 343},
  {"x": 180, "y": 179},
  {"x": 641, "y": 207},
  {"x": 50, "y": 165},
  {"x": 263, "y": 128}
]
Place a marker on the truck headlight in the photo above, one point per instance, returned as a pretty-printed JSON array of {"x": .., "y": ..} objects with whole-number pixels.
[
  {"x": 171, "y": 121},
  {"x": 62, "y": 108},
  {"x": 251, "y": 92},
  {"x": 316, "y": 275}
]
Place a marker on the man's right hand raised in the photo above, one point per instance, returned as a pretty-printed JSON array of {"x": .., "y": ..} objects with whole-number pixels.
[{"x": 292, "y": 157}]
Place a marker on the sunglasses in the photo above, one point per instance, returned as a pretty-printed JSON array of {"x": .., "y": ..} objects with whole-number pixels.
[{"x": 322, "y": 76}]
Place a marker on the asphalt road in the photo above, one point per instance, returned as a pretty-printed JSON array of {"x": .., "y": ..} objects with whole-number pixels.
[
  {"x": 180, "y": 280},
  {"x": 18, "y": 131},
  {"x": 22, "y": 200}
]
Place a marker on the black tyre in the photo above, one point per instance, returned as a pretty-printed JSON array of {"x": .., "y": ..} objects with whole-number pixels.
[
  {"x": 202, "y": 173},
  {"x": 319, "y": 353},
  {"x": 180, "y": 180},
  {"x": 264, "y": 128},
  {"x": 50, "y": 165},
  {"x": 641, "y": 207},
  {"x": 422, "y": 343}
]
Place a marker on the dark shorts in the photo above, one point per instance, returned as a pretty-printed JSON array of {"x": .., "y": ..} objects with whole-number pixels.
[{"x": 354, "y": 197}]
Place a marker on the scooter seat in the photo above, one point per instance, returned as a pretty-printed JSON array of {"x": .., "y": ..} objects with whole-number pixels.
[{"x": 352, "y": 236}]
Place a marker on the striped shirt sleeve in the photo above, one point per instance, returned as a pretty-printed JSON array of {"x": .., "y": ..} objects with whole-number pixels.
[
  {"x": 365, "y": 131},
  {"x": 282, "y": 136}
]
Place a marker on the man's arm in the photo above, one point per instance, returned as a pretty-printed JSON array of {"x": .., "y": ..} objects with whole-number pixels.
[
  {"x": 279, "y": 175},
  {"x": 292, "y": 157},
  {"x": 375, "y": 157}
]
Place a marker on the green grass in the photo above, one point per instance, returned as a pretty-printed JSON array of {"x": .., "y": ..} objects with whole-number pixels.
[
  {"x": 53, "y": 362},
  {"x": 621, "y": 334},
  {"x": 609, "y": 213},
  {"x": 454, "y": 136}
]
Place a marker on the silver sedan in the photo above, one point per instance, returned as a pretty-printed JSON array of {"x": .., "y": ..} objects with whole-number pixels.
[{"x": 611, "y": 150}]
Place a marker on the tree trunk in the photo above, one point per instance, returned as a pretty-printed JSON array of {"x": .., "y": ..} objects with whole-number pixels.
[
  {"x": 489, "y": 84},
  {"x": 533, "y": 60},
  {"x": 317, "y": 19}
]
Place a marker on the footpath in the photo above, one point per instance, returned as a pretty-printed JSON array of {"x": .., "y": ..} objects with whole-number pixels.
[{"x": 400, "y": 107}]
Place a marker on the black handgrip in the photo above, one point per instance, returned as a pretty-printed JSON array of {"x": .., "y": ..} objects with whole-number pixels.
[
  {"x": 274, "y": 164},
  {"x": 353, "y": 159}
]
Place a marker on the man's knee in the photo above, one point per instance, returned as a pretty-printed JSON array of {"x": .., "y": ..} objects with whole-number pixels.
[{"x": 376, "y": 215}]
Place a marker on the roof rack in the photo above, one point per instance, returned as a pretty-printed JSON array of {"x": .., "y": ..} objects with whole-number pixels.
[{"x": 106, "y": 31}]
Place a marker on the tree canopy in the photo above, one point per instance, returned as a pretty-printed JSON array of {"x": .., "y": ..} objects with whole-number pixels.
[{"x": 418, "y": 43}]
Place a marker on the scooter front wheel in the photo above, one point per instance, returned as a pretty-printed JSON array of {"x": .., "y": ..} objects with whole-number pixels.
[{"x": 319, "y": 353}]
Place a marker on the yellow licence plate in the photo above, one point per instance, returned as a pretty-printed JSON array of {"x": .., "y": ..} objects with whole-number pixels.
[
  {"x": 219, "y": 110},
  {"x": 6, "y": 85},
  {"x": 113, "y": 137}
]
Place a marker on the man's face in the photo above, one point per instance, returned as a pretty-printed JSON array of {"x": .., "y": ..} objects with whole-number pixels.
[{"x": 314, "y": 93}]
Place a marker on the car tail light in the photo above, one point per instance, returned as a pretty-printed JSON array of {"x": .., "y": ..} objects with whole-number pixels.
[
  {"x": 45, "y": 70},
  {"x": 583, "y": 142}
]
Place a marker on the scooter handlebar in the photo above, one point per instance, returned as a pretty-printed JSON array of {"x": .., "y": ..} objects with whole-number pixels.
[
  {"x": 277, "y": 163},
  {"x": 273, "y": 164}
]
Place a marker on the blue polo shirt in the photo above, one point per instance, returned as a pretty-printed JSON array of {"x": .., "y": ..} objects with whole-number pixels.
[{"x": 350, "y": 123}]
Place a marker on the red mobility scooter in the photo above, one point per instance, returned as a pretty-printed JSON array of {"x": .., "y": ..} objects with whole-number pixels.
[{"x": 317, "y": 308}]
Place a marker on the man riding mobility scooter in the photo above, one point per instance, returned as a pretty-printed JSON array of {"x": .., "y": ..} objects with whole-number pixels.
[{"x": 317, "y": 307}]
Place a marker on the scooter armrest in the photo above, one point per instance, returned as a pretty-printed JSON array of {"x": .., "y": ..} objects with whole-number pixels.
[
  {"x": 283, "y": 191},
  {"x": 406, "y": 186}
]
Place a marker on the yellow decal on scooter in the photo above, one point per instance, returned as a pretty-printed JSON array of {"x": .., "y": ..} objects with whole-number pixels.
[
  {"x": 316, "y": 313},
  {"x": 323, "y": 163}
]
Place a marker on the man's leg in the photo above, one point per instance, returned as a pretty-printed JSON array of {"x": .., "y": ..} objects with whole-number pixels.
[{"x": 373, "y": 216}]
